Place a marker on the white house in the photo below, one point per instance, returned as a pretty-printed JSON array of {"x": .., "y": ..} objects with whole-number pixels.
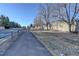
[{"x": 62, "y": 26}]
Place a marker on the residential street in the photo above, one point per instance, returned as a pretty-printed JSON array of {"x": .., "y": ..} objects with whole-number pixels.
[{"x": 27, "y": 45}]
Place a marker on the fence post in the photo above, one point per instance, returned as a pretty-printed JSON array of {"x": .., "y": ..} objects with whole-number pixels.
[
  {"x": 11, "y": 35},
  {"x": 18, "y": 33}
]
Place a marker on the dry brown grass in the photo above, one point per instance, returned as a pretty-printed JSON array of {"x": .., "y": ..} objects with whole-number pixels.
[{"x": 60, "y": 43}]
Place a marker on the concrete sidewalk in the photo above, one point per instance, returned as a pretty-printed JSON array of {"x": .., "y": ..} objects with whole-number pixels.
[{"x": 27, "y": 45}]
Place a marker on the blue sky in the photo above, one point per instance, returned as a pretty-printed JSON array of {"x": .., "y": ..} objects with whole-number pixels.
[{"x": 22, "y": 13}]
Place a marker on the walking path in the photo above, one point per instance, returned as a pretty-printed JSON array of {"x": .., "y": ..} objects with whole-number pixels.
[{"x": 27, "y": 45}]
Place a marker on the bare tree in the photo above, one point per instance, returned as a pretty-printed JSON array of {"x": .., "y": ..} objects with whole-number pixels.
[
  {"x": 65, "y": 11},
  {"x": 45, "y": 13},
  {"x": 68, "y": 13},
  {"x": 38, "y": 22}
]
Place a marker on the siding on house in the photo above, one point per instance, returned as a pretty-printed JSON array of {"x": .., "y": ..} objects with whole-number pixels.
[
  {"x": 36, "y": 28},
  {"x": 43, "y": 27},
  {"x": 61, "y": 26},
  {"x": 58, "y": 25}
]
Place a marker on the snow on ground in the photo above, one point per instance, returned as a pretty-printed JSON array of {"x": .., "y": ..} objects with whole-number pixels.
[{"x": 7, "y": 32}]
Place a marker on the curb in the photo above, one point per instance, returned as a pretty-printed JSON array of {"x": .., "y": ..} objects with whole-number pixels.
[{"x": 42, "y": 43}]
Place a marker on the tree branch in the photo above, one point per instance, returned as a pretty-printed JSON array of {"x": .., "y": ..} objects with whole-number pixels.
[{"x": 75, "y": 12}]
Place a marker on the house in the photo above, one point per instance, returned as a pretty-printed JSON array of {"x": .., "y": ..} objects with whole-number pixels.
[
  {"x": 45, "y": 27},
  {"x": 37, "y": 28},
  {"x": 62, "y": 26},
  {"x": 41, "y": 27},
  {"x": 58, "y": 25}
]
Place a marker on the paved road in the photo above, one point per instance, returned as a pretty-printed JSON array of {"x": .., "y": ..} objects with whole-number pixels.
[{"x": 27, "y": 45}]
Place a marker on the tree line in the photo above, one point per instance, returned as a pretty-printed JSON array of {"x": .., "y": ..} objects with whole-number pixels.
[
  {"x": 5, "y": 22},
  {"x": 68, "y": 12}
]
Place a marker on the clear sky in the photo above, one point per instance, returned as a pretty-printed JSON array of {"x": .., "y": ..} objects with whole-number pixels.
[{"x": 22, "y": 13}]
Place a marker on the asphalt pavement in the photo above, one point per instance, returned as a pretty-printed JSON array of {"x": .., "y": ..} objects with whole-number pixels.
[{"x": 27, "y": 45}]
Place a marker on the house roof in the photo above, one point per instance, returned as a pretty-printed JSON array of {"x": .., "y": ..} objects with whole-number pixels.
[{"x": 59, "y": 21}]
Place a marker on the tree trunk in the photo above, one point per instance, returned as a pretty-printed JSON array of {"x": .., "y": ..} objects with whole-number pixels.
[
  {"x": 69, "y": 27},
  {"x": 47, "y": 26},
  {"x": 76, "y": 29}
]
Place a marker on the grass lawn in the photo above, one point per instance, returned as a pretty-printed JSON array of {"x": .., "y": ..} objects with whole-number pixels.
[{"x": 60, "y": 43}]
